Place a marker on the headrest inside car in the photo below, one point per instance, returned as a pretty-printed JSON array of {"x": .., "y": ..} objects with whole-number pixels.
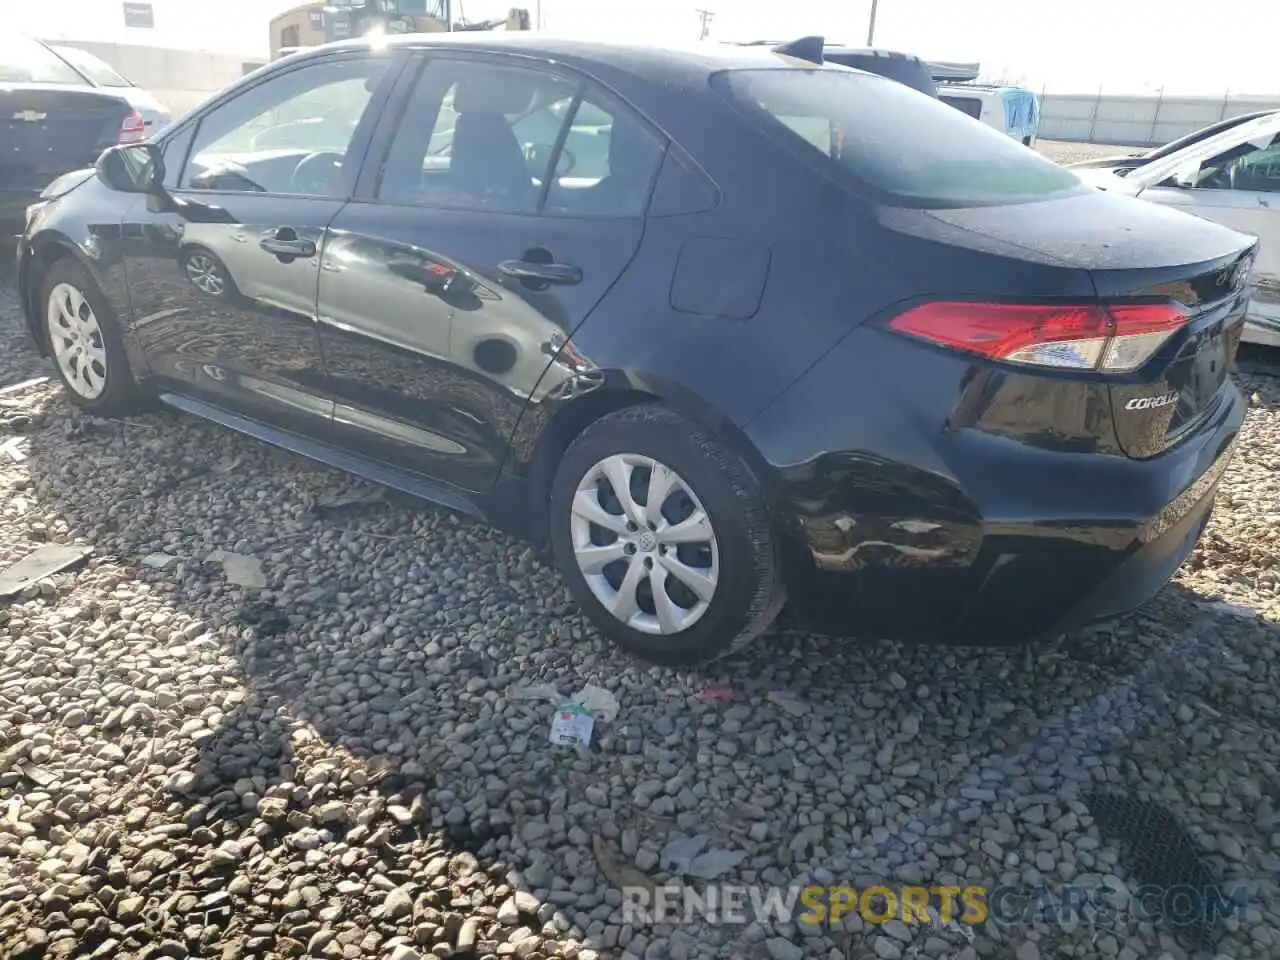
[{"x": 497, "y": 91}]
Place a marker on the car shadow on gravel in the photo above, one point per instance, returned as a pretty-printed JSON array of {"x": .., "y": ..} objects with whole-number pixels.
[{"x": 374, "y": 746}]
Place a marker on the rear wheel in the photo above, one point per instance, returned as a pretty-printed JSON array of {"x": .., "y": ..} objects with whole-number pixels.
[
  {"x": 663, "y": 536},
  {"x": 85, "y": 342},
  {"x": 208, "y": 274}
]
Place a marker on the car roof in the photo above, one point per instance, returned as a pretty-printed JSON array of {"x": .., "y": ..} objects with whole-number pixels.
[
  {"x": 869, "y": 52},
  {"x": 652, "y": 61}
]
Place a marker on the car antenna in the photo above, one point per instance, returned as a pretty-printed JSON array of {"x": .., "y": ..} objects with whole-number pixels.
[{"x": 806, "y": 48}]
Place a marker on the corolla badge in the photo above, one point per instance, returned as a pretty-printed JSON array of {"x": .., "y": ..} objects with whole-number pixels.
[{"x": 1150, "y": 403}]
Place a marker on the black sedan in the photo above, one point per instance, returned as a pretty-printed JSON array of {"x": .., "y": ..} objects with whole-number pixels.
[
  {"x": 52, "y": 120},
  {"x": 728, "y": 328}
]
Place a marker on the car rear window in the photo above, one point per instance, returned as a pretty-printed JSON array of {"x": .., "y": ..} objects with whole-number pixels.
[
  {"x": 907, "y": 70},
  {"x": 906, "y": 147},
  {"x": 25, "y": 61},
  {"x": 99, "y": 72}
]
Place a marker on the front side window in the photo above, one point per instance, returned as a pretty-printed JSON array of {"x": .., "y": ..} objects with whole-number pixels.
[
  {"x": 25, "y": 61},
  {"x": 891, "y": 140},
  {"x": 98, "y": 72},
  {"x": 1250, "y": 166},
  {"x": 288, "y": 134}
]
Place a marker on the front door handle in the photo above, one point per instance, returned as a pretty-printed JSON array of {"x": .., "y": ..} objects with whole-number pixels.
[
  {"x": 561, "y": 274},
  {"x": 286, "y": 243}
]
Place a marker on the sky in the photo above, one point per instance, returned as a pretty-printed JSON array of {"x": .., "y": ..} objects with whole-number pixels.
[{"x": 1126, "y": 46}]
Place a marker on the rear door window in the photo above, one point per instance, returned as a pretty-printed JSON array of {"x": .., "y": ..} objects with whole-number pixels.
[
  {"x": 891, "y": 142},
  {"x": 25, "y": 61},
  {"x": 99, "y": 73}
]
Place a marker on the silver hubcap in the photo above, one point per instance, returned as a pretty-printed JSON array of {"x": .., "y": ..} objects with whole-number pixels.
[
  {"x": 645, "y": 544},
  {"x": 77, "y": 341},
  {"x": 204, "y": 273}
]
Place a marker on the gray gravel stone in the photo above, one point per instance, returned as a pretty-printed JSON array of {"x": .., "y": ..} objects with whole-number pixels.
[{"x": 340, "y": 754}]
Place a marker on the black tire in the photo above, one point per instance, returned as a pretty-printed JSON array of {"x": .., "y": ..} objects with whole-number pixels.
[
  {"x": 749, "y": 592},
  {"x": 121, "y": 394}
]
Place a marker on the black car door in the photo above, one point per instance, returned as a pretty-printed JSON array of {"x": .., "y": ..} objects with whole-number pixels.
[
  {"x": 223, "y": 287},
  {"x": 457, "y": 272}
]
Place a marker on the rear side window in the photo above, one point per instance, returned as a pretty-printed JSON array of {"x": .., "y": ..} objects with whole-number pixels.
[
  {"x": 969, "y": 106},
  {"x": 25, "y": 61},
  {"x": 96, "y": 70},
  {"x": 892, "y": 141}
]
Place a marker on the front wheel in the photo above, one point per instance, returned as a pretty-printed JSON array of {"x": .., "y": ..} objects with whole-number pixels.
[
  {"x": 663, "y": 536},
  {"x": 85, "y": 341}
]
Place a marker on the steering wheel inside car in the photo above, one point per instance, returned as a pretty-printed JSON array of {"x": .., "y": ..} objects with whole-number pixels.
[
  {"x": 536, "y": 156},
  {"x": 316, "y": 173}
]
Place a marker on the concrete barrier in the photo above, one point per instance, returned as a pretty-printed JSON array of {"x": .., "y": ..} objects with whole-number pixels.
[
  {"x": 1137, "y": 121},
  {"x": 180, "y": 79}
]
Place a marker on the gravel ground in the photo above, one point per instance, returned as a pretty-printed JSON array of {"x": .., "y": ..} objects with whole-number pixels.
[
  {"x": 338, "y": 765},
  {"x": 1063, "y": 151}
]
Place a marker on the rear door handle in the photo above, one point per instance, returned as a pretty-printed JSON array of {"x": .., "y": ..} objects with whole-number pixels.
[{"x": 563, "y": 274}]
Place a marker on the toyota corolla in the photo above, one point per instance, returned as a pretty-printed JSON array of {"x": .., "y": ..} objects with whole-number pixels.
[{"x": 729, "y": 328}]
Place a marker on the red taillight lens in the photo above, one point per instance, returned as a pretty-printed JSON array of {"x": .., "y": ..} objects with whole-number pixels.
[
  {"x": 133, "y": 128},
  {"x": 1114, "y": 338}
]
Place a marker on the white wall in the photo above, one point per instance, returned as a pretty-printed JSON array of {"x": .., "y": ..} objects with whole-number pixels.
[
  {"x": 1138, "y": 121},
  {"x": 236, "y": 27},
  {"x": 180, "y": 79}
]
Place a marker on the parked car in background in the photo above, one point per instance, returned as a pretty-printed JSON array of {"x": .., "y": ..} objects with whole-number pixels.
[
  {"x": 750, "y": 361},
  {"x": 1231, "y": 177},
  {"x": 1121, "y": 164},
  {"x": 52, "y": 121},
  {"x": 99, "y": 73},
  {"x": 1014, "y": 111}
]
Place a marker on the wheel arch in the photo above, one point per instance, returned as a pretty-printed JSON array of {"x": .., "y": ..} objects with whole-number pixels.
[
  {"x": 620, "y": 390},
  {"x": 46, "y": 250}
]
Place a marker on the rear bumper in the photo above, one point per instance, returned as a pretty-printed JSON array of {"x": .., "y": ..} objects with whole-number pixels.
[{"x": 1017, "y": 554}]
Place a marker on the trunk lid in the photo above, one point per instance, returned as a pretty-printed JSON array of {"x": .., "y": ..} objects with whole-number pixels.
[
  {"x": 48, "y": 129},
  {"x": 1133, "y": 250},
  {"x": 1184, "y": 381}
]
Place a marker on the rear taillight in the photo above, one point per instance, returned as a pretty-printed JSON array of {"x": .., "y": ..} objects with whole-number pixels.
[
  {"x": 132, "y": 129},
  {"x": 1113, "y": 338}
]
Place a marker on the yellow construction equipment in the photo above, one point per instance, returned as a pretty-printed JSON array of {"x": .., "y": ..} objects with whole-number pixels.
[{"x": 320, "y": 21}]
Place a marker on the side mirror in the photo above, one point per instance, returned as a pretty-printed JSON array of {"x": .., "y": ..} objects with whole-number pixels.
[{"x": 132, "y": 168}]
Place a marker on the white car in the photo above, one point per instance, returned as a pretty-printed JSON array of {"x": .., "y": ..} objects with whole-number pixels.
[
  {"x": 1232, "y": 178},
  {"x": 98, "y": 73}
]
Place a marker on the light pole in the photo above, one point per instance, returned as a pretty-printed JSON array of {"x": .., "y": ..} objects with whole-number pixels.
[
  {"x": 871, "y": 26},
  {"x": 705, "y": 17}
]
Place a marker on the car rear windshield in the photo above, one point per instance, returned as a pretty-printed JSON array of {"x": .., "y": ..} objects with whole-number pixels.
[
  {"x": 904, "y": 146},
  {"x": 25, "y": 61},
  {"x": 98, "y": 72}
]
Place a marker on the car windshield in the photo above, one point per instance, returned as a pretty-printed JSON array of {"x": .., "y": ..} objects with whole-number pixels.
[
  {"x": 25, "y": 61},
  {"x": 892, "y": 140},
  {"x": 98, "y": 72}
]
